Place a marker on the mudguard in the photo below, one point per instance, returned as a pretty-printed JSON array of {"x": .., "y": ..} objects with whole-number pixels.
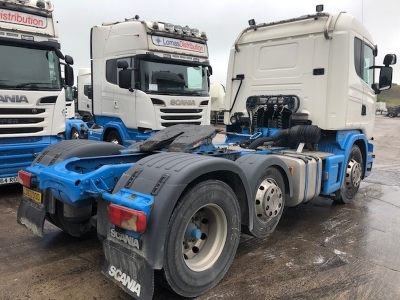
[
  {"x": 165, "y": 176},
  {"x": 75, "y": 148},
  {"x": 31, "y": 215},
  {"x": 120, "y": 266}
]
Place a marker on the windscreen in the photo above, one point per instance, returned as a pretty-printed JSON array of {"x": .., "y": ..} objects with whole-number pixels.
[
  {"x": 174, "y": 79},
  {"x": 29, "y": 69}
]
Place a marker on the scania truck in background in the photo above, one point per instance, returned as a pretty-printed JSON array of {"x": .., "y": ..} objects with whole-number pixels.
[
  {"x": 32, "y": 97},
  {"x": 164, "y": 79},
  {"x": 299, "y": 113},
  {"x": 83, "y": 94},
  {"x": 217, "y": 94}
]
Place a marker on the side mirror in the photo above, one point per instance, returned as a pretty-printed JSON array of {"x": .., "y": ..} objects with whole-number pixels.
[
  {"x": 122, "y": 64},
  {"x": 75, "y": 94},
  {"x": 125, "y": 79},
  {"x": 390, "y": 59},
  {"x": 385, "y": 78},
  {"x": 69, "y": 75},
  {"x": 210, "y": 71},
  {"x": 69, "y": 60}
]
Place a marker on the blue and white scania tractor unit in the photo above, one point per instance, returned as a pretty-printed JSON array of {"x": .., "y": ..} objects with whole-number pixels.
[{"x": 33, "y": 105}]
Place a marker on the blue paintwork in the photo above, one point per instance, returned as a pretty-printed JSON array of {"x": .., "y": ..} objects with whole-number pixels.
[
  {"x": 340, "y": 145},
  {"x": 80, "y": 187},
  {"x": 78, "y": 182},
  {"x": 78, "y": 124},
  {"x": 127, "y": 135},
  {"x": 19, "y": 152}
]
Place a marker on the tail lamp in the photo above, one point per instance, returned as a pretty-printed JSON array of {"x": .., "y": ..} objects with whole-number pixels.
[
  {"x": 25, "y": 178},
  {"x": 127, "y": 218}
]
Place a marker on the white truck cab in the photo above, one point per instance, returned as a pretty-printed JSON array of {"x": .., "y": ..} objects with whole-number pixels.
[
  {"x": 32, "y": 96},
  {"x": 328, "y": 62},
  {"x": 147, "y": 76},
  {"x": 83, "y": 95}
]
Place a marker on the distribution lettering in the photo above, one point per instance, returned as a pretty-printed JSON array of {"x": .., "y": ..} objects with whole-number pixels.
[{"x": 18, "y": 18}]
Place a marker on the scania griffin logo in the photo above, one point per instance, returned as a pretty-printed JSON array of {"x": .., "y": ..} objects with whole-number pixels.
[
  {"x": 14, "y": 98},
  {"x": 182, "y": 102}
]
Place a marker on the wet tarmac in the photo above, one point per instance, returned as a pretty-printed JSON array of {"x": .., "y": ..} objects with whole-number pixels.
[{"x": 319, "y": 250}]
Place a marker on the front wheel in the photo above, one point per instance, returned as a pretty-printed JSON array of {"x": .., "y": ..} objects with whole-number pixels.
[
  {"x": 353, "y": 176},
  {"x": 75, "y": 134},
  {"x": 391, "y": 115},
  {"x": 202, "y": 238},
  {"x": 114, "y": 137}
]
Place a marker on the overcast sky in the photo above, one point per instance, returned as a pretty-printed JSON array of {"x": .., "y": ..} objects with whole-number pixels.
[{"x": 221, "y": 19}]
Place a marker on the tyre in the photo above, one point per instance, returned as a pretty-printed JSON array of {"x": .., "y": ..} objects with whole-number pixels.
[
  {"x": 114, "y": 137},
  {"x": 353, "y": 176},
  {"x": 86, "y": 118},
  {"x": 202, "y": 238},
  {"x": 268, "y": 202},
  {"x": 75, "y": 134},
  {"x": 80, "y": 226},
  {"x": 391, "y": 115}
]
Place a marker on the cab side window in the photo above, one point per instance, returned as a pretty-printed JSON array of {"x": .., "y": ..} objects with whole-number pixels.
[
  {"x": 364, "y": 59},
  {"x": 112, "y": 71}
]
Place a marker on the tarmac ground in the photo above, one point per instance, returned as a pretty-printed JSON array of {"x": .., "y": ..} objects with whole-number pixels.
[{"x": 320, "y": 250}]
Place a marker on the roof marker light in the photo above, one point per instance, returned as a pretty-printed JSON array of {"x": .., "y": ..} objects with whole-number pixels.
[
  {"x": 169, "y": 27},
  {"x": 178, "y": 29},
  {"x": 155, "y": 25},
  {"x": 195, "y": 31},
  {"x": 186, "y": 30}
]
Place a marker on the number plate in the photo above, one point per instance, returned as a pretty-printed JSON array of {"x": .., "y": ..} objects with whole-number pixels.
[
  {"x": 33, "y": 195},
  {"x": 8, "y": 180}
]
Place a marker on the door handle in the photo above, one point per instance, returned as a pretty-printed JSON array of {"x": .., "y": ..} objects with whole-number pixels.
[{"x": 116, "y": 104}]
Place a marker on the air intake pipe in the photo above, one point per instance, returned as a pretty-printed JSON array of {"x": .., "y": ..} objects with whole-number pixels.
[{"x": 300, "y": 133}]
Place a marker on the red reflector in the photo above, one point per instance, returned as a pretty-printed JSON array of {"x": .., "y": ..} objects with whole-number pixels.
[
  {"x": 127, "y": 218},
  {"x": 24, "y": 178}
]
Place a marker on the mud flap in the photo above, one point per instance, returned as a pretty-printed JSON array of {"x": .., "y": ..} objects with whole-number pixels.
[
  {"x": 128, "y": 270},
  {"x": 32, "y": 216}
]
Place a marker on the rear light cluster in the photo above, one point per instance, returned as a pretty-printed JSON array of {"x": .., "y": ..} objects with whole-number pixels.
[
  {"x": 127, "y": 218},
  {"x": 25, "y": 178}
]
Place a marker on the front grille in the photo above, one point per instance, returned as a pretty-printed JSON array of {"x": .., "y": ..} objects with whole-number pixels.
[
  {"x": 11, "y": 152},
  {"x": 175, "y": 123},
  {"x": 20, "y": 130},
  {"x": 21, "y": 111},
  {"x": 181, "y": 111},
  {"x": 4, "y": 121},
  {"x": 21, "y": 140},
  {"x": 180, "y": 117}
]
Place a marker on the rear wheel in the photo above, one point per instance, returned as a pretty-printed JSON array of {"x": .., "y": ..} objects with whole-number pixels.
[
  {"x": 268, "y": 203},
  {"x": 353, "y": 176},
  {"x": 114, "y": 137},
  {"x": 202, "y": 238}
]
